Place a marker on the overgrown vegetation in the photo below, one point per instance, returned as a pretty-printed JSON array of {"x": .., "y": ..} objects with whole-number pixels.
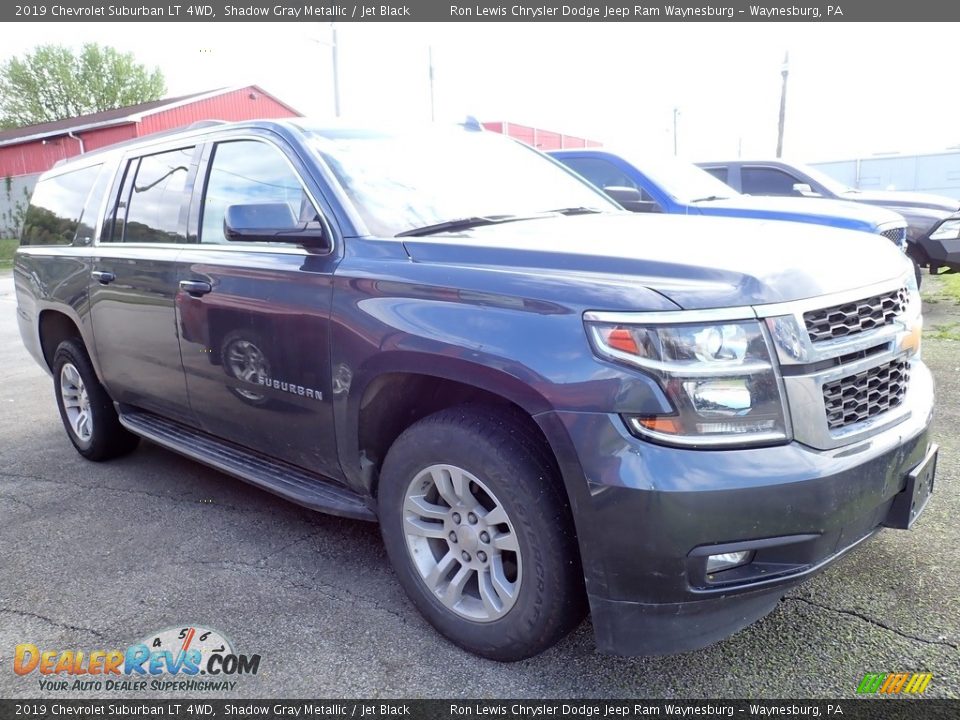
[
  {"x": 7, "y": 248},
  {"x": 948, "y": 331}
]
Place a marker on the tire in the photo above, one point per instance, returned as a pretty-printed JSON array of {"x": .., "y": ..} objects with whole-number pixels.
[
  {"x": 99, "y": 435},
  {"x": 917, "y": 273},
  {"x": 515, "y": 560}
]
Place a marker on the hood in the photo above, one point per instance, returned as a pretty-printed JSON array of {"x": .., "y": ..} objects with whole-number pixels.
[
  {"x": 837, "y": 213},
  {"x": 694, "y": 261},
  {"x": 896, "y": 198}
]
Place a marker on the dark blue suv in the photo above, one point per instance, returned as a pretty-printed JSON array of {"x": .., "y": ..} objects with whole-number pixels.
[
  {"x": 672, "y": 186},
  {"x": 548, "y": 404}
]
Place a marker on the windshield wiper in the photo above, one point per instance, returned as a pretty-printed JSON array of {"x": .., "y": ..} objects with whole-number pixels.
[
  {"x": 479, "y": 221},
  {"x": 458, "y": 224},
  {"x": 581, "y": 210},
  {"x": 709, "y": 198}
]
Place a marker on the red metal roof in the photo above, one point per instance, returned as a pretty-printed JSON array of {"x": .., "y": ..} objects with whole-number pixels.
[{"x": 118, "y": 116}]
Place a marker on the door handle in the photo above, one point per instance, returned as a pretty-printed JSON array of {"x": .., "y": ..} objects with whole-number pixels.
[
  {"x": 103, "y": 277},
  {"x": 196, "y": 288}
]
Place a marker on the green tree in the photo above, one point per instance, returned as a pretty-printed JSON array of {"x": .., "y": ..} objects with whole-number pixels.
[{"x": 53, "y": 82}]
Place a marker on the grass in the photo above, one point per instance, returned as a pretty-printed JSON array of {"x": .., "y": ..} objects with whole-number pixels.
[
  {"x": 7, "y": 246},
  {"x": 951, "y": 286},
  {"x": 948, "y": 331}
]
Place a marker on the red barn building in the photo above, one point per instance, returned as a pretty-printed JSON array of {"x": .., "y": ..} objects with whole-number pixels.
[
  {"x": 538, "y": 138},
  {"x": 28, "y": 151}
]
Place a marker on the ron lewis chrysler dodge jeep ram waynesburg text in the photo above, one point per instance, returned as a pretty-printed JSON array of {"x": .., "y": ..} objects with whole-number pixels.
[{"x": 548, "y": 403}]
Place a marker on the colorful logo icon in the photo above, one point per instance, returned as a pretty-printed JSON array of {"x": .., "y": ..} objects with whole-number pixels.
[{"x": 894, "y": 683}]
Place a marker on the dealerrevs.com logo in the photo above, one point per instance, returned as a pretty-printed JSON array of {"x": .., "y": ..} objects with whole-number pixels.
[{"x": 189, "y": 658}]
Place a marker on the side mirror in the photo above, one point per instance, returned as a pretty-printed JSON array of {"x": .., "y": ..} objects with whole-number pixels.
[
  {"x": 269, "y": 222},
  {"x": 804, "y": 190},
  {"x": 631, "y": 199}
]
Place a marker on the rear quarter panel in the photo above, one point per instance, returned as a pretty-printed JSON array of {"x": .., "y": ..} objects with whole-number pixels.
[{"x": 52, "y": 278}]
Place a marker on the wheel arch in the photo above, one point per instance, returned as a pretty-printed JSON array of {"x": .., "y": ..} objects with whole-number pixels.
[
  {"x": 399, "y": 389},
  {"x": 53, "y": 327}
]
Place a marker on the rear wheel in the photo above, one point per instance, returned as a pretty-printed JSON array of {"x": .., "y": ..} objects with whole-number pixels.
[
  {"x": 480, "y": 534},
  {"x": 86, "y": 410}
]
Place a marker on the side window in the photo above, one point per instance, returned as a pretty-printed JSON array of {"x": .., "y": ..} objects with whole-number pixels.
[
  {"x": 601, "y": 173},
  {"x": 249, "y": 172},
  {"x": 154, "y": 193},
  {"x": 720, "y": 173},
  {"x": 56, "y": 207},
  {"x": 766, "y": 181},
  {"x": 91, "y": 209}
]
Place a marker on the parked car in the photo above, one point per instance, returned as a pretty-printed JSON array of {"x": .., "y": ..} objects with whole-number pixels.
[
  {"x": 776, "y": 177},
  {"x": 943, "y": 242},
  {"x": 672, "y": 186},
  {"x": 547, "y": 403}
]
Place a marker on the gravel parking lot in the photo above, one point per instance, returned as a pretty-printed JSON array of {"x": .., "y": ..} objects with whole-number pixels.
[{"x": 99, "y": 555}]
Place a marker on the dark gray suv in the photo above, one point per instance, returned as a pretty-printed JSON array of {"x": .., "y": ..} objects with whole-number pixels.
[{"x": 549, "y": 404}]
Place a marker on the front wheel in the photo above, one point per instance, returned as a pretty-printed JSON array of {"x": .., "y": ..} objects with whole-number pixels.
[{"x": 480, "y": 533}]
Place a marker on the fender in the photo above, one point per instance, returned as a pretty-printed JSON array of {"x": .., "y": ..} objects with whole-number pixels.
[{"x": 347, "y": 400}]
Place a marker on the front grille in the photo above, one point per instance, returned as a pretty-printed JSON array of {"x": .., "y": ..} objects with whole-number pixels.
[
  {"x": 867, "y": 394},
  {"x": 896, "y": 235},
  {"x": 854, "y": 317}
]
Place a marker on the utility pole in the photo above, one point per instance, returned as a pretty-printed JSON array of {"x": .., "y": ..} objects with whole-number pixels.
[
  {"x": 676, "y": 112},
  {"x": 335, "y": 48},
  {"x": 433, "y": 114},
  {"x": 784, "y": 72}
]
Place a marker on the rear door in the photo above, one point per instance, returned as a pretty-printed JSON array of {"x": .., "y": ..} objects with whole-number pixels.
[
  {"x": 254, "y": 317},
  {"x": 133, "y": 283}
]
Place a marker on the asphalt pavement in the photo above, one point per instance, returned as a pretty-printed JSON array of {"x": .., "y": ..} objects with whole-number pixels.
[{"x": 99, "y": 556}]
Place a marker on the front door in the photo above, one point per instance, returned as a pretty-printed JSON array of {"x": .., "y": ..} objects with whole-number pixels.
[{"x": 254, "y": 317}]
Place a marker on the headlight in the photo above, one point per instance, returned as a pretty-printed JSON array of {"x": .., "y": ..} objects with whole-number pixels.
[{"x": 719, "y": 378}]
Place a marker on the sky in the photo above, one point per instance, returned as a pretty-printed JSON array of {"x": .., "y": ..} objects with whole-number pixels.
[{"x": 854, "y": 90}]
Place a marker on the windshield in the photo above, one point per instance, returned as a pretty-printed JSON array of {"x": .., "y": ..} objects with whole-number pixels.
[
  {"x": 401, "y": 182},
  {"x": 830, "y": 183},
  {"x": 683, "y": 181}
]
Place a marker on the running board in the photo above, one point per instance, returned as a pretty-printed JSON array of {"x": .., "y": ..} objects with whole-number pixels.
[{"x": 288, "y": 481}]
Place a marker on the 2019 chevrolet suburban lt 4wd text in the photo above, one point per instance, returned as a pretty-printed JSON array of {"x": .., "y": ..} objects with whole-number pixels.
[{"x": 548, "y": 403}]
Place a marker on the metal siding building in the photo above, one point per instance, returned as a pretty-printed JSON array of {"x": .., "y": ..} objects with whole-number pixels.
[
  {"x": 27, "y": 152},
  {"x": 540, "y": 139},
  {"x": 937, "y": 173}
]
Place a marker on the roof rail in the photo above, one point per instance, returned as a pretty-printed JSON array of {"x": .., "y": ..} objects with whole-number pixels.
[{"x": 203, "y": 123}]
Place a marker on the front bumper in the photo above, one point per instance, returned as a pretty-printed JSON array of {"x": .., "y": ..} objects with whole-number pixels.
[
  {"x": 648, "y": 515},
  {"x": 942, "y": 252}
]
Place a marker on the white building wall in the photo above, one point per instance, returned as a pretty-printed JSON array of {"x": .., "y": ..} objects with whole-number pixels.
[{"x": 937, "y": 173}]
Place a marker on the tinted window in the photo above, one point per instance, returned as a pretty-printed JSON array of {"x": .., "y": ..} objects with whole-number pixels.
[
  {"x": 766, "y": 181},
  {"x": 156, "y": 198},
  {"x": 601, "y": 173},
  {"x": 91, "y": 209},
  {"x": 56, "y": 207},
  {"x": 720, "y": 173},
  {"x": 249, "y": 172}
]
